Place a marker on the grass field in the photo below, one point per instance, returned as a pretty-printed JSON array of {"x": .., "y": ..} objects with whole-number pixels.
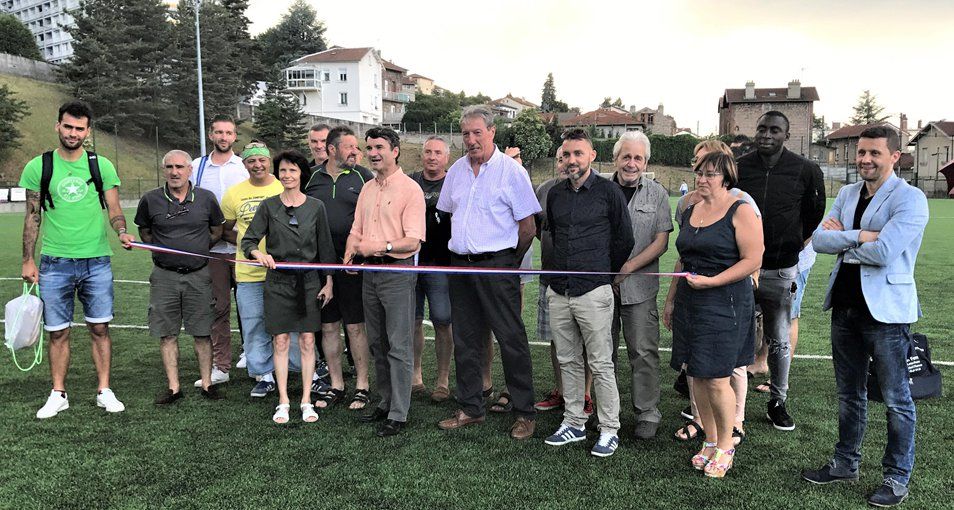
[{"x": 229, "y": 454}]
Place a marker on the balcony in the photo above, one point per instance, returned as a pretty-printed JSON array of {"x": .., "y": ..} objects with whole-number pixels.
[
  {"x": 399, "y": 97},
  {"x": 303, "y": 84}
]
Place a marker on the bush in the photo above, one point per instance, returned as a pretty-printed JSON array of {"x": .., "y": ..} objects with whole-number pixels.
[{"x": 666, "y": 150}]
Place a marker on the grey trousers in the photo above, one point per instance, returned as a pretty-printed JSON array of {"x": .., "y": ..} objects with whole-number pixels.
[
  {"x": 640, "y": 328},
  {"x": 389, "y": 318},
  {"x": 775, "y": 295},
  {"x": 585, "y": 322}
]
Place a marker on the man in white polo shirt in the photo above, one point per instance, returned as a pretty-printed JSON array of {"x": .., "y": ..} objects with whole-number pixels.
[{"x": 217, "y": 172}]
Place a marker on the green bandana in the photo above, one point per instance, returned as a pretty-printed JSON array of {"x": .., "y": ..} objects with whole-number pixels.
[{"x": 256, "y": 149}]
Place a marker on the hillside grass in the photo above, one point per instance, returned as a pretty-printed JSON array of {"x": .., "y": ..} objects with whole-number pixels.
[{"x": 229, "y": 454}]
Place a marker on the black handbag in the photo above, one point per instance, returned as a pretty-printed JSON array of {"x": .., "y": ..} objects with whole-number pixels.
[{"x": 923, "y": 377}]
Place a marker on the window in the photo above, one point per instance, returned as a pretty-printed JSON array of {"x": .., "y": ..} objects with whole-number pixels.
[
  {"x": 300, "y": 77},
  {"x": 342, "y": 75},
  {"x": 343, "y": 98},
  {"x": 326, "y": 76}
]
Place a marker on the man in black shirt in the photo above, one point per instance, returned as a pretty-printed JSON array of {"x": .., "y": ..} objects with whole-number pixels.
[
  {"x": 337, "y": 183},
  {"x": 317, "y": 144},
  {"x": 181, "y": 217},
  {"x": 433, "y": 286},
  {"x": 790, "y": 192},
  {"x": 591, "y": 231}
]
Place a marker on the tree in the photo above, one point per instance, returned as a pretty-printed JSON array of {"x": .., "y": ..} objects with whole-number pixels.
[
  {"x": 549, "y": 102},
  {"x": 12, "y": 111},
  {"x": 226, "y": 76},
  {"x": 607, "y": 102},
  {"x": 819, "y": 129},
  {"x": 868, "y": 111},
  {"x": 279, "y": 120},
  {"x": 16, "y": 39},
  {"x": 298, "y": 33},
  {"x": 530, "y": 134},
  {"x": 120, "y": 64},
  {"x": 426, "y": 109}
]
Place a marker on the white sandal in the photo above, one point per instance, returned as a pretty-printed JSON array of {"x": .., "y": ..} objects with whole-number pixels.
[
  {"x": 308, "y": 414},
  {"x": 281, "y": 414}
]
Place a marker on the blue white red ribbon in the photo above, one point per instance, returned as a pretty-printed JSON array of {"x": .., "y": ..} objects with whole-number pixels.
[{"x": 399, "y": 268}]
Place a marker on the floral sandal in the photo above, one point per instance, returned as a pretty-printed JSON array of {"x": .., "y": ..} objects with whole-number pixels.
[
  {"x": 720, "y": 463},
  {"x": 701, "y": 460}
]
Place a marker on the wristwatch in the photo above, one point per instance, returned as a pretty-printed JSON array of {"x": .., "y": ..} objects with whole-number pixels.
[{"x": 388, "y": 247}]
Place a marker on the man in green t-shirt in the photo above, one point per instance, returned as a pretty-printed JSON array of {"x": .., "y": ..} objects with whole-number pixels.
[{"x": 74, "y": 259}]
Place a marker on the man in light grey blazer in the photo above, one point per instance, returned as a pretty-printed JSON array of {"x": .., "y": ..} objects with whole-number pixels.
[{"x": 875, "y": 228}]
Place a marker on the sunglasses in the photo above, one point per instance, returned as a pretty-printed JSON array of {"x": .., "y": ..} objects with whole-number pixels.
[
  {"x": 178, "y": 212},
  {"x": 291, "y": 212}
]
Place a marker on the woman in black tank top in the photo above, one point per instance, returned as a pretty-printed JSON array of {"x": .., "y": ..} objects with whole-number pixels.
[{"x": 720, "y": 242}]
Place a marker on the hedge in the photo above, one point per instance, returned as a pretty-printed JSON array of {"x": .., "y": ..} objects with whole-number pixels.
[{"x": 666, "y": 150}]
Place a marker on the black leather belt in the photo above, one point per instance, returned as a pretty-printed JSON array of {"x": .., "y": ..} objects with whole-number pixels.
[
  {"x": 180, "y": 270},
  {"x": 478, "y": 257},
  {"x": 379, "y": 261}
]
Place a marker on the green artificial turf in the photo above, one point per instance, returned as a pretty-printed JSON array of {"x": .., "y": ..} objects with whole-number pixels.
[{"x": 228, "y": 454}]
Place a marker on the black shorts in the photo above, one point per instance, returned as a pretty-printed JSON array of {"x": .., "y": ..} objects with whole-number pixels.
[{"x": 346, "y": 304}]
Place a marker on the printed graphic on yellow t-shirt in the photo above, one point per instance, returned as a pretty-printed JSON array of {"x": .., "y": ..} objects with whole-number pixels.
[{"x": 239, "y": 204}]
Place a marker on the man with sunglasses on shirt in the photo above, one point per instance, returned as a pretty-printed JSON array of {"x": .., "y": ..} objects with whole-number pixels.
[{"x": 182, "y": 217}]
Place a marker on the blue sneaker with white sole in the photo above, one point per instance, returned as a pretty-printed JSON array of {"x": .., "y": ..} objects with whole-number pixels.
[
  {"x": 606, "y": 445},
  {"x": 565, "y": 435},
  {"x": 262, "y": 389}
]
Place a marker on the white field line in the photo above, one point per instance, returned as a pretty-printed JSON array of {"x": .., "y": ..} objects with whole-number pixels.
[{"x": 428, "y": 323}]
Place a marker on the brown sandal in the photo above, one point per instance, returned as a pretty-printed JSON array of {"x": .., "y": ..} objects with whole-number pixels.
[{"x": 504, "y": 404}]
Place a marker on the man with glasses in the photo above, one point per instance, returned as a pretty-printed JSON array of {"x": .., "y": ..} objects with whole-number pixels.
[
  {"x": 181, "y": 217},
  {"x": 217, "y": 172}
]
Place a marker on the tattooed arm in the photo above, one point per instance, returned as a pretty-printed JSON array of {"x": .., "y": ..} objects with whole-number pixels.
[
  {"x": 31, "y": 230},
  {"x": 116, "y": 219}
]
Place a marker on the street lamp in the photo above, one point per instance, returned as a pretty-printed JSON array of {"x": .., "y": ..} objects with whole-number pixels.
[{"x": 198, "y": 62}]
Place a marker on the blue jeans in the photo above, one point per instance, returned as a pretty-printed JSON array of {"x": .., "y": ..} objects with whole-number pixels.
[
  {"x": 89, "y": 279},
  {"x": 437, "y": 290},
  {"x": 856, "y": 337},
  {"x": 255, "y": 340}
]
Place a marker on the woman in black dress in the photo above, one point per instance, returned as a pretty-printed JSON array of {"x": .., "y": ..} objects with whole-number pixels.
[
  {"x": 720, "y": 242},
  {"x": 295, "y": 229}
]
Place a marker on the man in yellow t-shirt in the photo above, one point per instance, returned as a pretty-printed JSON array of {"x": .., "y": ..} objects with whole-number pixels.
[{"x": 238, "y": 206}]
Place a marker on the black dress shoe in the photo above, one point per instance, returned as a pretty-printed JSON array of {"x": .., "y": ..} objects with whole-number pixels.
[
  {"x": 212, "y": 393},
  {"x": 377, "y": 415},
  {"x": 390, "y": 428},
  {"x": 168, "y": 397}
]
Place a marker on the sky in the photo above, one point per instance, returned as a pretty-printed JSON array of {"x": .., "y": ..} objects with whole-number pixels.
[{"x": 681, "y": 53}]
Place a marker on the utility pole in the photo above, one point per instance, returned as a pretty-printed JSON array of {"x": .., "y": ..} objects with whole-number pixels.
[{"x": 198, "y": 62}]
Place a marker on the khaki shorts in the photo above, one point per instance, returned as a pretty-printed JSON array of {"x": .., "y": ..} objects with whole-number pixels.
[{"x": 177, "y": 300}]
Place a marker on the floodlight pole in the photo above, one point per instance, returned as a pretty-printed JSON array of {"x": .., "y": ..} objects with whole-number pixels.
[{"x": 198, "y": 62}]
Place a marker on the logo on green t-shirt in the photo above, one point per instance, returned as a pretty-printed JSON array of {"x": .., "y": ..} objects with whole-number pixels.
[{"x": 72, "y": 189}]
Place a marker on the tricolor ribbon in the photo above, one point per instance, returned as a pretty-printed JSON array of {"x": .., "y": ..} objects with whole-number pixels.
[{"x": 400, "y": 268}]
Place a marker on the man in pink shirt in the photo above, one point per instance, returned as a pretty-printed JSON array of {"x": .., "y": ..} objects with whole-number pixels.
[{"x": 388, "y": 228}]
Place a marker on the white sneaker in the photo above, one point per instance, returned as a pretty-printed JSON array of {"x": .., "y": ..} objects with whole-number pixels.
[
  {"x": 218, "y": 377},
  {"x": 242, "y": 362},
  {"x": 54, "y": 404},
  {"x": 108, "y": 401}
]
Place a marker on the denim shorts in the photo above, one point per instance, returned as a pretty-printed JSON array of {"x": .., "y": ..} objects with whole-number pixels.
[
  {"x": 437, "y": 290},
  {"x": 801, "y": 281},
  {"x": 89, "y": 279}
]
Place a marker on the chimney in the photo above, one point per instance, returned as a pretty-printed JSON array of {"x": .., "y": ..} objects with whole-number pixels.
[
  {"x": 904, "y": 122},
  {"x": 632, "y": 109},
  {"x": 794, "y": 89},
  {"x": 919, "y": 124},
  {"x": 750, "y": 89},
  {"x": 835, "y": 126},
  {"x": 659, "y": 111}
]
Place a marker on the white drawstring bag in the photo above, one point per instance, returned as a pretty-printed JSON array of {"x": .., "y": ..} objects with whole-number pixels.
[{"x": 23, "y": 317}]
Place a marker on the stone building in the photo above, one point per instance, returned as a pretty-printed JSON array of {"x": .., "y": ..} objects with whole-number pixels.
[{"x": 740, "y": 109}]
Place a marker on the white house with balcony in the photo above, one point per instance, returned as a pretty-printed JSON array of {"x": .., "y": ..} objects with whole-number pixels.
[
  {"x": 339, "y": 83},
  {"x": 47, "y": 21}
]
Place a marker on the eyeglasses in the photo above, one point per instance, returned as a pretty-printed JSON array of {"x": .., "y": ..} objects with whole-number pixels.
[
  {"x": 708, "y": 175},
  {"x": 291, "y": 212},
  {"x": 180, "y": 210}
]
